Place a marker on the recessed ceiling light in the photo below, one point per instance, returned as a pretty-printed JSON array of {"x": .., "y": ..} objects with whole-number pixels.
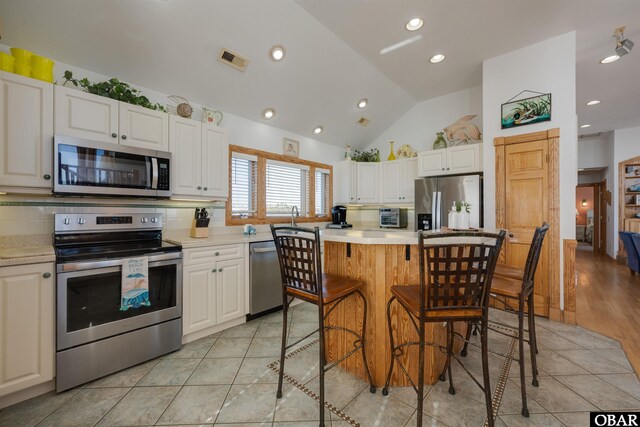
[
  {"x": 268, "y": 113},
  {"x": 585, "y": 126},
  {"x": 609, "y": 59},
  {"x": 362, "y": 103},
  {"x": 414, "y": 24},
  {"x": 276, "y": 53},
  {"x": 438, "y": 57},
  {"x": 593, "y": 102},
  {"x": 317, "y": 130}
]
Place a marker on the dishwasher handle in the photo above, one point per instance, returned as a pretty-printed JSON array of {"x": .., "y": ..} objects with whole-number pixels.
[{"x": 262, "y": 250}]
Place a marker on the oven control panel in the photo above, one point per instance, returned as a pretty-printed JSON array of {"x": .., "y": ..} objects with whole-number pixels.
[{"x": 101, "y": 222}]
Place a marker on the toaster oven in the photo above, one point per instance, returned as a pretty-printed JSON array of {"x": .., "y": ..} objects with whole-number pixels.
[{"x": 393, "y": 217}]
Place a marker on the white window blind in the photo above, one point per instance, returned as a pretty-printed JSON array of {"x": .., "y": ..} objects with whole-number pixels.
[
  {"x": 287, "y": 185},
  {"x": 322, "y": 192},
  {"x": 243, "y": 184}
]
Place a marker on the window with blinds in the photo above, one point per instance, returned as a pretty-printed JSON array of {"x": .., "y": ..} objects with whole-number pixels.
[
  {"x": 322, "y": 192},
  {"x": 287, "y": 187},
  {"x": 243, "y": 185},
  {"x": 265, "y": 187}
]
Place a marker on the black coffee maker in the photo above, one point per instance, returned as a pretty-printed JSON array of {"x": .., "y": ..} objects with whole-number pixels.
[{"x": 339, "y": 217}]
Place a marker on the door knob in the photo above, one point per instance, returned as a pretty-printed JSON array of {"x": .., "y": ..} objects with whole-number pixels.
[{"x": 511, "y": 235}]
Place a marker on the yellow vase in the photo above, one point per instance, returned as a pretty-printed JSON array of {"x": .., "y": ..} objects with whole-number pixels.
[
  {"x": 7, "y": 62},
  {"x": 392, "y": 156}
]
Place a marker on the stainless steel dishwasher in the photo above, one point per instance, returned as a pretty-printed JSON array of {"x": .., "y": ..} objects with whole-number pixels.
[{"x": 265, "y": 292}]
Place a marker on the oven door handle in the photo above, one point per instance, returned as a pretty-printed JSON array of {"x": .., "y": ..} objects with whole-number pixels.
[{"x": 92, "y": 265}]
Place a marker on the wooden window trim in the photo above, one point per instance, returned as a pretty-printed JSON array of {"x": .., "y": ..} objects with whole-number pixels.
[{"x": 261, "y": 214}]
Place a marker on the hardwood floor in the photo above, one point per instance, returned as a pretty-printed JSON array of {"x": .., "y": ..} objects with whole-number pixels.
[{"x": 608, "y": 301}]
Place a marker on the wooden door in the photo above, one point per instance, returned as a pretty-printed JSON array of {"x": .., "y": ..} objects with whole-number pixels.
[
  {"x": 602, "y": 196},
  {"x": 523, "y": 184}
]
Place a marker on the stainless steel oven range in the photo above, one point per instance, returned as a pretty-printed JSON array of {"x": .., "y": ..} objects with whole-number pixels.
[{"x": 95, "y": 335}]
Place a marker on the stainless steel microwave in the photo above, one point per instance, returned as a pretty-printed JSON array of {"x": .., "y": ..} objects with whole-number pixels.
[
  {"x": 83, "y": 167},
  {"x": 393, "y": 217}
]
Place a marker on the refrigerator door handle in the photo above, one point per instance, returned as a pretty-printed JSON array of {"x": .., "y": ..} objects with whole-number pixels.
[
  {"x": 434, "y": 205},
  {"x": 437, "y": 210}
]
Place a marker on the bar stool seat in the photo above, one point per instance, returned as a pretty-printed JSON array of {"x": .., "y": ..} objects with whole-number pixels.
[
  {"x": 409, "y": 297},
  {"x": 506, "y": 270},
  {"x": 333, "y": 288},
  {"x": 506, "y": 287}
]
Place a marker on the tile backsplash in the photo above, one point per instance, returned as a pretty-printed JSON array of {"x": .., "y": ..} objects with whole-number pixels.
[{"x": 34, "y": 215}]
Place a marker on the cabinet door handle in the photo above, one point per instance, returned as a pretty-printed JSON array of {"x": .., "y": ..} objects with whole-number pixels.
[
  {"x": 217, "y": 253},
  {"x": 46, "y": 176},
  {"x": 447, "y": 168},
  {"x": 199, "y": 187},
  {"x": 46, "y": 275},
  {"x": 442, "y": 168},
  {"x": 219, "y": 270},
  {"x": 205, "y": 188},
  {"x": 124, "y": 136},
  {"x": 214, "y": 270},
  {"x": 114, "y": 135}
]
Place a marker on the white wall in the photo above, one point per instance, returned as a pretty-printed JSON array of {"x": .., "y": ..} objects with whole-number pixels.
[
  {"x": 419, "y": 125},
  {"x": 626, "y": 144},
  {"x": 549, "y": 67},
  {"x": 592, "y": 152},
  {"x": 612, "y": 212}
]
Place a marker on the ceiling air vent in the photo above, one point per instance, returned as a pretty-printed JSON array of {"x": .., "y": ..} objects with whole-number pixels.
[
  {"x": 363, "y": 121},
  {"x": 233, "y": 59},
  {"x": 590, "y": 135}
]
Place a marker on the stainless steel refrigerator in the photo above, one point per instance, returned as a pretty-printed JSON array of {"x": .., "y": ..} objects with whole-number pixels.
[{"x": 435, "y": 195}]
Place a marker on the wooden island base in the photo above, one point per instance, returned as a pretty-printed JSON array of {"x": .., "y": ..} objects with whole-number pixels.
[{"x": 380, "y": 267}]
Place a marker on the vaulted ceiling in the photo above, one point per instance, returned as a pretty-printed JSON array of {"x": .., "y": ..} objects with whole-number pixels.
[{"x": 333, "y": 54}]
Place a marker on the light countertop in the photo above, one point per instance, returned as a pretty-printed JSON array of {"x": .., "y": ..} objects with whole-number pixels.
[
  {"x": 20, "y": 250},
  {"x": 182, "y": 238}
]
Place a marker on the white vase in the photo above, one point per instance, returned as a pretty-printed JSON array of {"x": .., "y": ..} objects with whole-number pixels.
[
  {"x": 463, "y": 220},
  {"x": 452, "y": 220}
]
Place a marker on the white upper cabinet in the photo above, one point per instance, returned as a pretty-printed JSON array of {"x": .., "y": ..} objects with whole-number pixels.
[
  {"x": 143, "y": 127},
  {"x": 397, "y": 180},
  {"x": 356, "y": 182},
  {"x": 200, "y": 158},
  {"x": 452, "y": 160},
  {"x": 85, "y": 115},
  {"x": 26, "y": 132},
  {"x": 367, "y": 182},
  {"x": 97, "y": 118},
  {"x": 215, "y": 158},
  {"x": 465, "y": 158}
]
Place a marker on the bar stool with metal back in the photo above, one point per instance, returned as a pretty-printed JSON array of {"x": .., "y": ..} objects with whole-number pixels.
[
  {"x": 301, "y": 270},
  {"x": 456, "y": 270},
  {"x": 513, "y": 284}
]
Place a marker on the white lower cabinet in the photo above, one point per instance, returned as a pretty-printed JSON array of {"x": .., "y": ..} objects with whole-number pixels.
[
  {"x": 213, "y": 286},
  {"x": 27, "y": 326}
]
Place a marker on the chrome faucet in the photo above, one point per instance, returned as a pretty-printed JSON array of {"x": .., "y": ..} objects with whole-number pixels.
[{"x": 293, "y": 220}]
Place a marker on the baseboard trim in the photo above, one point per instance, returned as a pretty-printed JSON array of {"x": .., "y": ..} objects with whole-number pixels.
[{"x": 27, "y": 393}]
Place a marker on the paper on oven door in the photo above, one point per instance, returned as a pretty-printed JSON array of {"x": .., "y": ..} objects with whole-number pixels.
[{"x": 135, "y": 283}]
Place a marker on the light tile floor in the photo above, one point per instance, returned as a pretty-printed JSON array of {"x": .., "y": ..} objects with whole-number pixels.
[{"x": 223, "y": 380}]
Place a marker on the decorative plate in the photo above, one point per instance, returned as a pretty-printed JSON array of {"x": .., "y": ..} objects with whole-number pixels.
[
  {"x": 211, "y": 116},
  {"x": 406, "y": 151}
]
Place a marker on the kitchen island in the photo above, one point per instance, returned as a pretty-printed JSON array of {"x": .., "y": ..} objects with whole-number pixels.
[{"x": 380, "y": 259}]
